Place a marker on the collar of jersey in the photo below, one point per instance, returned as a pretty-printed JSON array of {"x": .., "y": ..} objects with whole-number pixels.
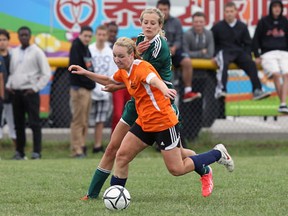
[{"x": 156, "y": 36}]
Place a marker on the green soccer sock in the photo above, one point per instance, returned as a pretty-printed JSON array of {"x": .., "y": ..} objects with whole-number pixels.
[{"x": 97, "y": 182}]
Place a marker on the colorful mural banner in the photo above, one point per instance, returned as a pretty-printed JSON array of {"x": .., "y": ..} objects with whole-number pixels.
[{"x": 55, "y": 23}]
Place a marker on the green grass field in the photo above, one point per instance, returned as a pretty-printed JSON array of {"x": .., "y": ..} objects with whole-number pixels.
[{"x": 54, "y": 185}]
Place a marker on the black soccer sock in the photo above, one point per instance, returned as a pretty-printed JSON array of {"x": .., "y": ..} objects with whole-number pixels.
[{"x": 118, "y": 181}]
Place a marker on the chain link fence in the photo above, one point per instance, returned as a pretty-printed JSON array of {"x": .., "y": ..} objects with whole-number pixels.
[{"x": 236, "y": 114}]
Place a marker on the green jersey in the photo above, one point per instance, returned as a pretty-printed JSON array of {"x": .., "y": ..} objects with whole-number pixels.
[{"x": 158, "y": 54}]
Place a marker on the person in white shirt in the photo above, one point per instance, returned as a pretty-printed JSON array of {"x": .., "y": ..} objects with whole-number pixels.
[
  {"x": 102, "y": 60},
  {"x": 29, "y": 73}
]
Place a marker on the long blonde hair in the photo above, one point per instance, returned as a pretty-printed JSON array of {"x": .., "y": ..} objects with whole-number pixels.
[
  {"x": 129, "y": 44},
  {"x": 158, "y": 13}
]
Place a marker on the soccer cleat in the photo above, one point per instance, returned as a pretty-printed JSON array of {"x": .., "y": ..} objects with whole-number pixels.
[
  {"x": 207, "y": 183},
  {"x": 86, "y": 197},
  {"x": 225, "y": 159},
  {"x": 190, "y": 96}
]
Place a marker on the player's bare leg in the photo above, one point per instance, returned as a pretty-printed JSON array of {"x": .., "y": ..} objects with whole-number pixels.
[
  {"x": 106, "y": 164},
  {"x": 117, "y": 136},
  {"x": 206, "y": 177},
  {"x": 130, "y": 147}
]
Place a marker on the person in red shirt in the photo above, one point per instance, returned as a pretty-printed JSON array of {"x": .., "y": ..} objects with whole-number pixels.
[{"x": 121, "y": 96}]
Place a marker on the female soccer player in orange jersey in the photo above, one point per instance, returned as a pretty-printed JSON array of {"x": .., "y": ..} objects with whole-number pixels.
[
  {"x": 156, "y": 122},
  {"x": 154, "y": 48}
]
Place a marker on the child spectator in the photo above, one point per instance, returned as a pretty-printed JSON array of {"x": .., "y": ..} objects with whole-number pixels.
[{"x": 102, "y": 60}]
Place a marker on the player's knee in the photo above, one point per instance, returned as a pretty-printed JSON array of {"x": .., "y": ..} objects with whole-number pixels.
[
  {"x": 111, "y": 150},
  {"x": 174, "y": 171},
  {"x": 121, "y": 158}
]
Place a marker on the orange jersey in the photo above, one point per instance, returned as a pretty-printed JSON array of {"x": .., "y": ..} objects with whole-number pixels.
[{"x": 154, "y": 110}]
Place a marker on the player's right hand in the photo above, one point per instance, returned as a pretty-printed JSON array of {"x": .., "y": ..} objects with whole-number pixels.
[
  {"x": 143, "y": 46},
  {"x": 76, "y": 69}
]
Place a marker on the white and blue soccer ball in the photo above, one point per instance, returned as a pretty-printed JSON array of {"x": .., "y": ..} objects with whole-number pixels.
[{"x": 116, "y": 197}]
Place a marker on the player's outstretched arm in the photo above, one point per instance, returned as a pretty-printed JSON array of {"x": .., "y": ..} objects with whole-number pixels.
[
  {"x": 98, "y": 78},
  {"x": 113, "y": 87}
]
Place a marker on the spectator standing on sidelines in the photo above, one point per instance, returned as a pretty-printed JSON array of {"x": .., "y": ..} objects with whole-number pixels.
[
  {"x": 233, "y": 44},
  {"x": 80, "y": 92},
  {"x": 121, "y": 96},
  {"x": 29, "y": 73},
  {"x": 174, "y": 34},
  {"x": 102, "y": 60},
  {"x": 7, "y": 114},
  {"x": 271, "y": 42},
  {"x": 112, "y": 32},
  {"x": 198, "y": 41}
]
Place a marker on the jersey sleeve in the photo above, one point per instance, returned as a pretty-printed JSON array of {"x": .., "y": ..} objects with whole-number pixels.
[
  {"x": 147, "y": 72},
  {"x": 117, "y": 77},
  {"x": 150, "y": 76}
]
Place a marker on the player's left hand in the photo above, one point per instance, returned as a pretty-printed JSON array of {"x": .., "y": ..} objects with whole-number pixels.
[
  {"x": 110, "y": 88},
  {"x": 171, "y": 93}
]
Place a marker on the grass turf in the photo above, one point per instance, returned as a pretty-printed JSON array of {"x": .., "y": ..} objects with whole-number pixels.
[{"x": 54, "y": 185}]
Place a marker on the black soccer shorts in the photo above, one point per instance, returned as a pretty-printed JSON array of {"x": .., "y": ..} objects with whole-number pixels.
[{"x": 166, "y": 140}]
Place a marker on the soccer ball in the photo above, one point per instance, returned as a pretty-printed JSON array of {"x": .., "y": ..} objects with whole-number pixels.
[{"x": 116, "y": 197}]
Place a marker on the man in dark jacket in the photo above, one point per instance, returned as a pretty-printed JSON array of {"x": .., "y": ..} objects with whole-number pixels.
[
  {"x": 233, "y": 44},
  {"x": 271, "y": 42},
  {"x": 80, "y": 92}
]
